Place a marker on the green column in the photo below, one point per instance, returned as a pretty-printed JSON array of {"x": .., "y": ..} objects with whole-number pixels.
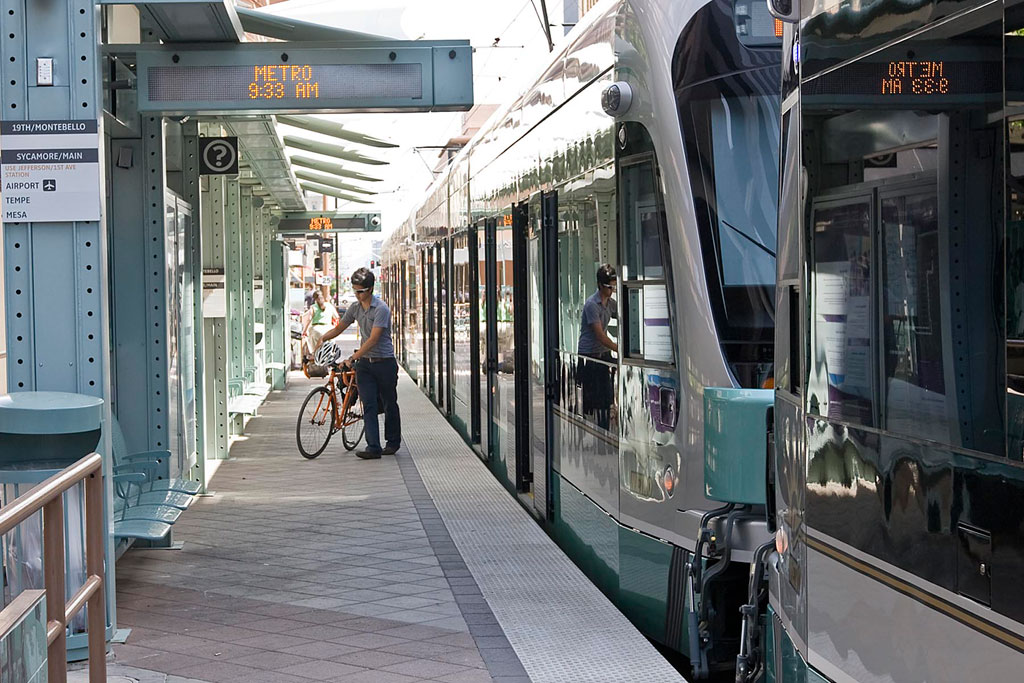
[
  {"x": 215, "y": 343},
  {"x": 247, "y": 229},
  {"x": 233, "y": 287}
]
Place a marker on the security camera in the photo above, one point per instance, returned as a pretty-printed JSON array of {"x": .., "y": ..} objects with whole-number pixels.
[{"x": 616, "y": 98}]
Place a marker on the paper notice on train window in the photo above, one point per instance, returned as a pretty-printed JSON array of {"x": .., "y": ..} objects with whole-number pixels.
[
  {"x": 842, "y": 323},
  {"x": 657, "y": 343}
]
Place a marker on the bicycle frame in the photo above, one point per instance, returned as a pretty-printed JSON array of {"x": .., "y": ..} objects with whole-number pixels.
[{"x": 348, "y": 380}]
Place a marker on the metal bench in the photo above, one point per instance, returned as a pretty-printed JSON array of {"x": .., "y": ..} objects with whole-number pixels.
[
  {"x": 159, "y": 485},
  {"x": 137, "y": 526}
]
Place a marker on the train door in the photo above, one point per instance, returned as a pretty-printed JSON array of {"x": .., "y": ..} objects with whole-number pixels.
[
  {"x": 465, "y": 382},
  {"x": 503, "y": 408},
  {"x": 473, "y": 330},
  {"x": 430, "y": 320},
  {"x": 440, "y": 334},
  {"x": 402, "y": 287},
  {"x": 542, "y": 291},
  {"x": 522, "y": 268},
  {"x": 447, "y": 300},
  {"x": 487, "y": 236}
]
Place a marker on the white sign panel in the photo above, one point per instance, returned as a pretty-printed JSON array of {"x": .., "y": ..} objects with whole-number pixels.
[
  {"x": 215, "y": 302},
  {"x": 49, "y": 171}
]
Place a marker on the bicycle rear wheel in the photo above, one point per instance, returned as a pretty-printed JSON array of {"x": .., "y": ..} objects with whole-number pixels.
[
  {"x": 316, "y": 422},
  {"x": 352, "y": 426}
]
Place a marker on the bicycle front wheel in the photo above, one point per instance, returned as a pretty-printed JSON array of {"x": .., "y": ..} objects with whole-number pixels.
[
  {"x": 352, "y": 426},
  {"x": 316, "y": 422}
]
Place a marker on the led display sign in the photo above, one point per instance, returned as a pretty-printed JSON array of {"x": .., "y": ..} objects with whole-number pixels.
[
  {"x": 264, "y": 77},
  {"x": 308, "y": 222},
  {"x": 919, "y": 80}
]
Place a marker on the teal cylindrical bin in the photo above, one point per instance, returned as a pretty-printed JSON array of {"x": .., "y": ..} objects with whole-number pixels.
[
  {"x": 48, "y": 429},
  {"x": 41, "y": 433},
  {"x": 735, "y": 444}
]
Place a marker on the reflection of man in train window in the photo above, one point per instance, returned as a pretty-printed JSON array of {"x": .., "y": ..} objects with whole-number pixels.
[{"x": 594, "y": 371}]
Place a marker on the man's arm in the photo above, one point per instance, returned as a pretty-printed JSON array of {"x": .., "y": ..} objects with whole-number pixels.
[
  {"x": 603, "y": 337},
  {"x": 338, "y": 329},
  {"x": 367, "y": 345}
]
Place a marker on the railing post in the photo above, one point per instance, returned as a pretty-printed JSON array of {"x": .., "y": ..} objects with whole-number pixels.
[
  {"x": 54, "y": 567},
  {"x": 94, "y": 557}
]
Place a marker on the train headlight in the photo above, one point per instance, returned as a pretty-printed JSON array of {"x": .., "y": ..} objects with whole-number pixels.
[
  {"x": 616, "y": 98},
  {"x": 669, "y": 480},
  {"x": 781, "y": 540},
  {"x": 375, "y": 221}
]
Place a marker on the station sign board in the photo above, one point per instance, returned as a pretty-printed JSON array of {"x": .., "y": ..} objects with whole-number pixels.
[
  {"x": 305, "y": 77},
  {"x": 49, "y": 171},
  {"x": 215, "y": 304}
]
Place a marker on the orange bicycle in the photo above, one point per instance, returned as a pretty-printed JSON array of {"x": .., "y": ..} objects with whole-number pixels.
[{"x": 322, "y": 414}]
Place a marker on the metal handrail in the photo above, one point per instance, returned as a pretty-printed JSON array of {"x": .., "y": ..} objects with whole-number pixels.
[{"x": 48, "y": 496}]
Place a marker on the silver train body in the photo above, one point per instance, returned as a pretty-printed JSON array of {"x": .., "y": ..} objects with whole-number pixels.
[
  {"x": 898, "y": 412},
  {"x": 677, "y": 190}
]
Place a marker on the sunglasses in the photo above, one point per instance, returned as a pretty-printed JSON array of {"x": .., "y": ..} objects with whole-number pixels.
[
  {"x": 360, "y": 291},
  {"x": 608, "y": 286}
]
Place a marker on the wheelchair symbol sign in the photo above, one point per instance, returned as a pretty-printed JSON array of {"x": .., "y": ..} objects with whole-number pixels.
[{"x": 218, "y": 156}]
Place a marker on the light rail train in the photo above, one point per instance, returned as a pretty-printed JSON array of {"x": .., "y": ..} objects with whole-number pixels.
[
  {"x": 649, "y": 142},
  {"x": 899, "y": 487},
  {"x": 886, "y": 314}
]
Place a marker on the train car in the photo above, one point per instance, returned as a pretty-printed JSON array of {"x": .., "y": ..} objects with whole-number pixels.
[
  {"x": 899, "y": 479},
  {"x": 649, "y": 142}
]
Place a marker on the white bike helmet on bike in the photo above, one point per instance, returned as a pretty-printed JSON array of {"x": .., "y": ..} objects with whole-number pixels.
[{"x": 327, "y": 354}]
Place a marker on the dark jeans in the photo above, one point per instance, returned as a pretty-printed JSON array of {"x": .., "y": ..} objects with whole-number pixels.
[
  {"x": 379, "y": 380},
  {"x": 598, "y": 385}
]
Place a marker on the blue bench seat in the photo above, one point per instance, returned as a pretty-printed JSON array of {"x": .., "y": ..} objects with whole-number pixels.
[{"x": 141, "y": 529}]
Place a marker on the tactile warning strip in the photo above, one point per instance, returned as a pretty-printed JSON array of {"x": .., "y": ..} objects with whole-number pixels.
[
  {"x": 502, "y": 662},
  {"x": 560, "y": 625}
]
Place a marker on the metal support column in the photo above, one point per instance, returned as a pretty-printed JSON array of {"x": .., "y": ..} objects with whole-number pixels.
[
  {"x": 56, "y": 274},
  {"x": 247, "y": 229},
  {"x": 233, "y": 289},
  {"x": 215, "y": 338}
]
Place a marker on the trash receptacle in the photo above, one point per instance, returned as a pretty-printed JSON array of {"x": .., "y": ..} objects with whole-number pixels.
[{"x": 41, "y": 433}]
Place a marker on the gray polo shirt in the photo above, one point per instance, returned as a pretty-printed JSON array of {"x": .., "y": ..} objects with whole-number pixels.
[
  {"x": 595, "y": 312},
  {"x": 377, "y": 315}
]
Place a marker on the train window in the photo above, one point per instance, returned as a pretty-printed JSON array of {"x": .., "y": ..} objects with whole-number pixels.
[
  {"x": 646, "y": 319},
  {"x": 730, "y": 130},
  {"x": 841, "y": 384},
  {"x": 906, "y": 229},
  {"x": 641, "y": 221}
]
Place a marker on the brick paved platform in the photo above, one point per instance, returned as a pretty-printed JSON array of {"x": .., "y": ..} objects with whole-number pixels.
[{"x": 385, "y": 571}]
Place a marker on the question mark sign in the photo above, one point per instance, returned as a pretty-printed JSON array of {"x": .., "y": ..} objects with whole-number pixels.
[{"x": 219, "y": 155}]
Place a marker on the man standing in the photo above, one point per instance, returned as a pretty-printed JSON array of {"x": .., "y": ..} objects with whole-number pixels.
[
  {"x": 375, "y": 364},
  {"x": 596, "y": 363}
]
